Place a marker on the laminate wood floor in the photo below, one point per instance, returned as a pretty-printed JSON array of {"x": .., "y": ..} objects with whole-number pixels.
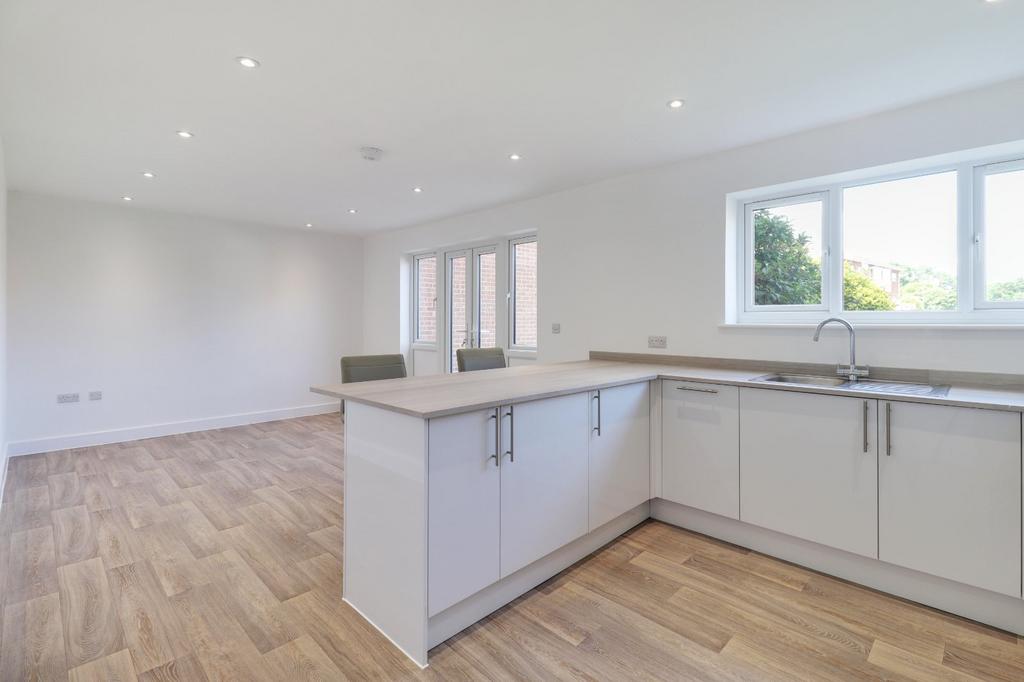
[{"x": 216, "y": 556}]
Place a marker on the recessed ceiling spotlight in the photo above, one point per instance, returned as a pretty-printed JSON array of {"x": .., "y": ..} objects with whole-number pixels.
[
  {"x": 676, "y": 103},
  {"x": 309, "y": 224},
  {"x": 514, "y": 157},
  {"x": 126, "y": 198},
  {"x": 184, "y": 134},
  {"x": 147, "y": 174},
  {"x": 417, "y": 189},
  {"x": 353, "y": 211},
  {"x": 247, "y": 62}
]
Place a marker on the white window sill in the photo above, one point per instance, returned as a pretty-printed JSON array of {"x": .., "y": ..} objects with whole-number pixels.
[{"x": 895, "y": 326}]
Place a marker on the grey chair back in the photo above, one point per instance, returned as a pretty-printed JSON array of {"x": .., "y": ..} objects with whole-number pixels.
[
  {"x": 472, "y": 359},
  {"x": 372, "y": 367}
]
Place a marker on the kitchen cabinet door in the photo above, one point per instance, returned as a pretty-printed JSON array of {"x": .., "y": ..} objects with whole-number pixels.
[
  {"x": 809, "y": 467},
  {"x": 463, "y": 507},
  {"x": 620, "y": 451},
  {"x": 950, "y": 493},
  {"x": 701, "y": 446},
  {"x": 543, "y": 478}
]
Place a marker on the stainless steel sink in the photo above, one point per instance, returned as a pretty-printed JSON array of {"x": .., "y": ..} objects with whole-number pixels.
[
  {"x": 803, "y": 379},
  {"x": 865, "y": 385}
]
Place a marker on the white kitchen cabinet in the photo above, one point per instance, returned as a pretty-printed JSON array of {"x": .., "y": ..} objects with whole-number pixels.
[
  {"x": 701, "y": 446},
  {"x": 463, "y": 507},
  {"x": 950, "y": 493},
  {"x": 620, "y": 450},
  {"x": 543, "y": 478},
  {"x": 809, "y": 467}
]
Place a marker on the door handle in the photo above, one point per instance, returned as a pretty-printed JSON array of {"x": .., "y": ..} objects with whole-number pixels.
[
  {"x": 497, "y": 434},
  {"x": 888, "y": 429},
  {"x": 511, "y": 435},
  {"x": 597, "y": 397},
  {"x": 696, "y": 390},
  {"x": 865, "y": 426}
]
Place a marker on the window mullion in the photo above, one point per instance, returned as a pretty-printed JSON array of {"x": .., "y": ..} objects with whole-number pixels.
[
  {"x": 970, "y": 282},
  {"x": 835, "y": 250}
]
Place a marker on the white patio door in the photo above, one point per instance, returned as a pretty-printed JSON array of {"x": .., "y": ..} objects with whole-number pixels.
[{"x": 471, "y": 299}]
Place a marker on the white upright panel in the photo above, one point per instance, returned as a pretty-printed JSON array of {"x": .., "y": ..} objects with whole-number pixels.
[
  {"x": 620, "y": 451},
  {"x": 809, "y": 467},
  {"x": 386, "y": 523},
  {"x": 544, "y": 478},
  {"x": 701, "y": 446},
  {"x": 950, "y": 493},
  {"x": 464, "y": 486}
]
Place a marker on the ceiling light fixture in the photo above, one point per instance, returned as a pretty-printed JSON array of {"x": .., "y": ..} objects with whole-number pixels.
[
  {"x": 184, "y": 134},
  {"x": 514, "y": 157},
  {"x": 147, "y": 174},
  {"x": 126, "y": 198},
  {"x": 353, "y": 211},
  {"x": 417, "y": 189},
  {"x": 676, "y": 103},
  {"x": 247, "y": 62},
  {"x": 309, "y": 224}
]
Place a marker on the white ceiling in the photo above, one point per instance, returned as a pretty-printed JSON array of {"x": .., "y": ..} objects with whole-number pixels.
[{"x": 91, "y": 94}]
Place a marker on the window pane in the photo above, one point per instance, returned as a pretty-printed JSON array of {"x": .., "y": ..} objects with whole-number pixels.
[
  {"x": 524, "y": 292},
  {"x": 1004, "y": 236},
  {"x": 899, "y": 244},
  {"x": 426, "y": 299},
  {"x": 787, "y": 254},
  {"x": 487, "y": 300},
  {"x": 457, "y": 294}
]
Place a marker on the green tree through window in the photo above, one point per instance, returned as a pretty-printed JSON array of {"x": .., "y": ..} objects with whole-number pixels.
[{"x": 786, "y": 274}]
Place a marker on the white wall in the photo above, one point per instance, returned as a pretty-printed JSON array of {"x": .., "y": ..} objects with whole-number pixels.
[
  {"x": 645, "y": 253},
  {"x": 175, "y": 318},
  {"x": 3, "y": 320}
]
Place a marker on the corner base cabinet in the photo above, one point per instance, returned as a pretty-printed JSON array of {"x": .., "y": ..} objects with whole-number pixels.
[
  {"x": 949, "y": 486},
  {"x": 701, "y": 446},
  {"x": 620, "y": 451}
]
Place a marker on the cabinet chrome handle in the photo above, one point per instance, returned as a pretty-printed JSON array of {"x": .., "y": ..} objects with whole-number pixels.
[
  {"x": 865, "y": 426},
  {"x": 696, "y": 390},
  {"x": 597, "y": 397},
  {"x": 497, "y": 433},
  {"x": 511, "y": 435},
  {"x": 888, "y": 429}
]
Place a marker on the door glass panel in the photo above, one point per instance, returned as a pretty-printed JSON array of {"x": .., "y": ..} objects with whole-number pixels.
[
  {"x": 458, "y": 289},
  {"x": 486, "y": 300},
  {"x": 524, "y": 294}
]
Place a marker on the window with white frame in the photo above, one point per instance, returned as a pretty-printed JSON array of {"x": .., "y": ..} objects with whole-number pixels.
[
  {"x": 477, "y": 295},
  {"x": 523, "y": 293},
  {"x": 999, "y": 230},
  {"x": 937, "y": 245},
  {"x": 425, "y": 299}
]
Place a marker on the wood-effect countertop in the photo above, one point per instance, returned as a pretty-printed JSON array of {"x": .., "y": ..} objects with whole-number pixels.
[{"x": 439, "y": 395}]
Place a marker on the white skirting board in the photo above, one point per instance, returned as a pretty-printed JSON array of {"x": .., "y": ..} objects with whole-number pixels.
[
  {"x": 468, "y": 611},
  {"x": 84, "y": 440},
  {"x": 997, "y": 610}
]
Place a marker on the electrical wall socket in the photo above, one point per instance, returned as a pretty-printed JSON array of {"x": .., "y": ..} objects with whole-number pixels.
[
  {"x": 95, "y": 395},
  {"x": 67, "y": 397},
  {"x": 657, "y": 342}
]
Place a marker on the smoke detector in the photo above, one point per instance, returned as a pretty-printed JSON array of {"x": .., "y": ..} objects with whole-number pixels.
[{"x": 371, "y": 153}]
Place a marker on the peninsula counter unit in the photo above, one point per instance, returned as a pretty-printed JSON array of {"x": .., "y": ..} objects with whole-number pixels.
[{"x": 463, "y": 492}]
